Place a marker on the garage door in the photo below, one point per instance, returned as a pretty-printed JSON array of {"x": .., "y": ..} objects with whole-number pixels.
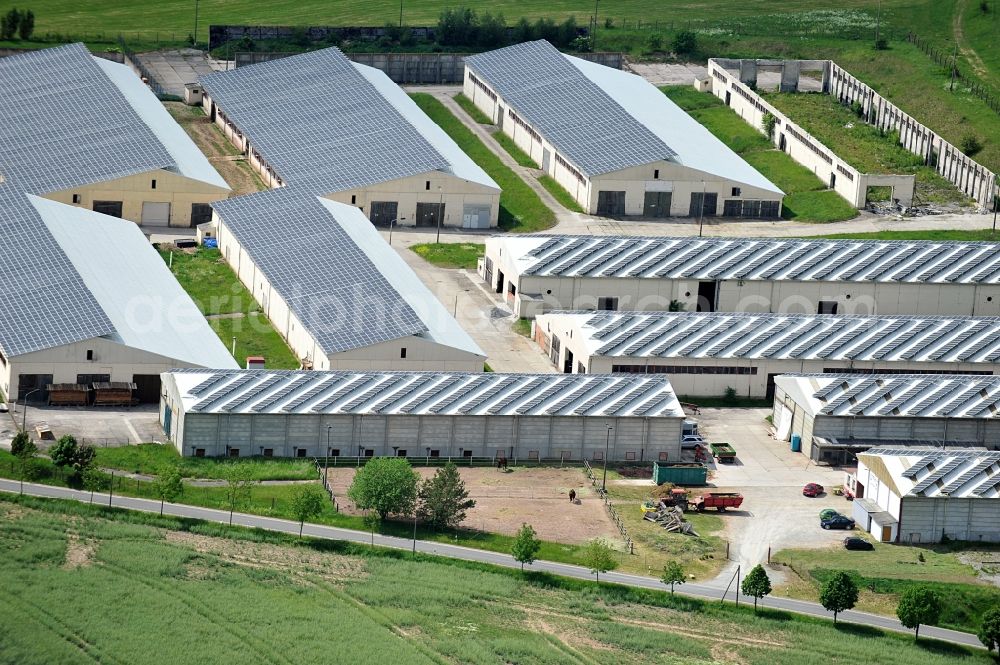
[
  {"x": 476, "y": 217},
  {"x": 155, "y": 214},
  {"x": 147, "y": 388}
]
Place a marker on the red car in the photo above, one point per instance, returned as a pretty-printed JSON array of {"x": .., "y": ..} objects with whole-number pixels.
[{"x": 812, "y": 490}]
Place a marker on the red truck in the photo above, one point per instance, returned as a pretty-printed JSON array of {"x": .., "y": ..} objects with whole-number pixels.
[{"x": 721, "y": 501}]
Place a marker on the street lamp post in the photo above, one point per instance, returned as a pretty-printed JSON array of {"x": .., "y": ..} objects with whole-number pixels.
[
  {"x": 607, "y": 447},
  {"x": 439, "y": 215},
  {"x": 391, "y": 222},
  {"x": 701, "y": 211},
  {"x": 24, "y": 415},
  {"x": 326, "y": 460}
]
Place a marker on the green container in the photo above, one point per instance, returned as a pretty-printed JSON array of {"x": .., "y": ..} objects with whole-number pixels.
[{"x": 680, "y": 474}]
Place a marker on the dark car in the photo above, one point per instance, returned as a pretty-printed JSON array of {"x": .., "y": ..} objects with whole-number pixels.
[
  {"x": 837, "y": 522},
  {"x": 855, "y": 543},
  {"x": 812, "y": 489}
]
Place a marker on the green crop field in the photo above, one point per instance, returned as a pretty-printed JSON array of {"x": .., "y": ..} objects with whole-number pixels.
[
  {"x": 83, "y": 584},
  {"x": 231, "y": 309},
  {"x": 806, "y": 197}
]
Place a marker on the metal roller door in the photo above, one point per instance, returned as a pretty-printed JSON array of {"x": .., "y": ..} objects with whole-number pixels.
[
  {"x": 610, "y": 203},
  {"x": 155, "y": 213}
]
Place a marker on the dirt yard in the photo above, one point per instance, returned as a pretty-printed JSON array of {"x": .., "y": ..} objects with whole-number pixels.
[{"x": 538, "y": 496}]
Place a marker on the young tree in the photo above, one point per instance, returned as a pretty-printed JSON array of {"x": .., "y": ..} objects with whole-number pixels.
[
  {"x": 673, "y": 573},
  {"x": 239, "y": 485},
  {"x": 492, "y": 30},
  {"x": 20, "y": 443},
  {"x": 444, "y": 498},
  {"x": 756, "y": 584},
  {"x": 918, "y": 605},
  {"x": 567, "y": 32},
  {"x": 599, "y": 557},
  {"x": 989, "y": 629},
  {"x": 307, "y": 501},
  {"x": 64, "y": 451},
  {"x": 24, "y": 449},
  {"x": 523, "y": 31},
  {"x": 169, "y": 486},
  {"x": 92, "y": 480},
  {"x": 526, "y": 545},
  {"x": 386, "y": 485},
  {"x": 839, "y": 593},
  {"x": 68, "y": 454},
  {"x": 685, "y": 42},
  {"x": 26, "y": 27},
  {"x": 9, "y": 23}
]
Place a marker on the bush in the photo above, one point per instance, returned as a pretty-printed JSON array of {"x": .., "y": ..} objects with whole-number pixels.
[
  {"x": 685, "y": 43},
  {"x": 984, "y": 7},
  {"x": 881, "y": 44},
  {"x": 567, "y": 32},
  {"x": 656, "y": 42},
  {"x": 971, "y": 145},
  {"x": 768, "y": 122},
  {"x": 386, "y": 485},
  {"x": 457, "y": 27},
  {"x": 545, "y": 28},
  {"x": 523, "y": 31},
  {"x": 27, "y": 25},
  {"x": 730, "y": 394},
  {"x": 9, "y": 23},
  {"x": 492, "y": 30}
]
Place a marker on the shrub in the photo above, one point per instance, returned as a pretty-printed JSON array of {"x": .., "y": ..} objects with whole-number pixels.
[
  {"x": 567, "y": 32},
  {"x": 768, "y": 122},
  {"x": 984, "y": 7},
  {"x": 444, "y": 498},
  {"x": 492, "y": 30},
  {"x": 730, "y": 394},
  {"x": 9, "y": 23},
  {"x": 545, "y": 28},
  {"x": 386, "y": 485},
  {"x": 685, "y": 43},
  {"x": 989, "y": 629},
  {"x": 457, "y": 27},
  {"x": 523, "y": 31},
  {"x": 27, "y": 25},
  {"x": 971, "y": 145},
  {"x": 656, "y": 42},
  {"x": 881, "y": 44}
]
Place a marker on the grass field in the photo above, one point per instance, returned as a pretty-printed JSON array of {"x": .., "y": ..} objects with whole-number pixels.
[
  {"x": 806, "y": 197},
  {"x": 986, "y": 235},
  {"x": 521, "y": 157},
  {"x": 559, "y": 192},
  {"x": 862, "y": 145},
  {"x": 886, "y": 572},
  {"x": 154, "y": 458},
  {"x": 451, "y": 254},
  {"x": 472, "y": 110},
  {"x": 96, "y": 585},
  {"x": 523, "y": 327},
  {"x": 520, "y": 208},
  {"x": 233, "y": 312}
]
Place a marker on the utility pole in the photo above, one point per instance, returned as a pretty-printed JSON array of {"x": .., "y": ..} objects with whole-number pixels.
[
  {"x": 195, "y": 35},
  {"x": 607, "y": 445},
  {"x": 878, "y": 21},
  {"x": 401, "y": 13},
  {"x": 593, "y": 33},
  {"x": 954, "y": 69},
  {"x": 701, "y": 215}
]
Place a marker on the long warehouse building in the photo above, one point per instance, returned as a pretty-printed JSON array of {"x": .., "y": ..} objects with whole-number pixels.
[
  {"x": 86, "y": 299},
  {"x": 87, "y": 132},
  {"x": 618, "y": 145},
  {"x": 340, "y": 295},
  {"x": 418, "y": 414},
  {"x": 837, "y": 416},
  {"x": 706, "y": 353},
  {"x": 541, "y": 273},
  {"x": 345, "y": 131}
]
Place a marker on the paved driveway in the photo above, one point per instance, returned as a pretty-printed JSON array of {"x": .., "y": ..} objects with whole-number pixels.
[{"x": 172, "y": 69}]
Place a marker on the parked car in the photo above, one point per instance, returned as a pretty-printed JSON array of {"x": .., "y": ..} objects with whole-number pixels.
[
  {"x": 837, "y": 521},
  {"x": 689, "y": 441},
  {"x": 3, "y": 407},
  {"x": 812, "y": 489},
  {"x": 855, "y": 543},
  {"x": 827, "y": 513}
]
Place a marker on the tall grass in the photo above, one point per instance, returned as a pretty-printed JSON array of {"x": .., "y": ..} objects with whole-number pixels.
[{"x": 153, "y": 458}]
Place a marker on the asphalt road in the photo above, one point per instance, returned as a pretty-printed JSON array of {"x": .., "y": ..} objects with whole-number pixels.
[{"x": 468, "y": 554}]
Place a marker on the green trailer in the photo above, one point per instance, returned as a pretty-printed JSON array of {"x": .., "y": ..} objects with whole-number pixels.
[
  {"x": 680, "y": 474},
  {"x": 723, "y": 452}
]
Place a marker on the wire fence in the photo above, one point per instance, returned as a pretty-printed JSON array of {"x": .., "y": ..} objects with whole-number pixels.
[
  {"x": 949, "y": 60},
  {"x": 132, "y": 61},
  {"x": 612, "y": 511}
]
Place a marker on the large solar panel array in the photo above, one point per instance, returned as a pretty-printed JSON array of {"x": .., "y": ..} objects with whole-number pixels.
[
  {"x": 952, "y": 473},
  {"x": 329, "y": 282},
  {"x": 765, "y": 259},
  {"x": 570, "y": 111},
  {"x": 790, "y": 336},
  {"x": 64, "y": 123},
  {"x": 908, "y": 395},
  {"x": 320, "y": 124},
  {"x": 43, "y": 301},
  {"x": 432, "y": 393}
]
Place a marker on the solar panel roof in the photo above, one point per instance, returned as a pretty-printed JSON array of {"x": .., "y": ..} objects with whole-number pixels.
[
  {"x": 321, "y": 124},
  {"x": 64, "y": 123},
  {"x": 571, "y": 111},
  {"x": 757, "y": 259},
  {"x": 328, "y": 281}
]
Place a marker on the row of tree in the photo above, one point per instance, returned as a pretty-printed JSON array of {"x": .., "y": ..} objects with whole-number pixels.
[
  {"x": 17, "y": 22},
  {"x": 462, "y": 26}
]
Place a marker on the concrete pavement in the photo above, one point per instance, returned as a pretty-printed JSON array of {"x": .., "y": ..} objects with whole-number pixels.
[{"x": 469, "y": 554}]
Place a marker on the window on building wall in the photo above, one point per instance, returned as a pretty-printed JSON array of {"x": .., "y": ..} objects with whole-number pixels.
[
  {"x": 827, "y": 307},
  {"x": 354, "y": 199},
  {"x": 76, "y": 198},
  {"x": 90, "y": 354},
  {"x": 268, "y": 452},
  {"x": 466, "y": 453},
  {"x": 199, "y": 452},
  {"x": 427, "y": 185},
  {"x": 629, "y": 455},
  {"x": 435, "y": 452},
  {"x": 737, "y": 191},
  {"x": 402, "y": 352},
  {"x": 533, "y": 455},
  {"x": 333, "y": 452},
  {"x": 300, "y": 452},
  {"x": 152, "y": 185},
  {"x": 401, "y": 452},
  {"x": 608, "y": 304},
  {"x": 511, "y": 289},
  {"x": 656, "y": 174},
  {"x": 663, "y": 457},
  {"x": 234, "y": 452},
  {"x": 369, "y": 452}
]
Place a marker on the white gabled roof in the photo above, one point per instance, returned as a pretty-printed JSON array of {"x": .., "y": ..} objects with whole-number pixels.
[
  {"x": 777, "y": 259},
  {"x": 785, "y": 336},
  {"x": 937, "y": 473},
  {"x": 132, "y": 286},
  {"x": 425, "y": 393},
  {"x": 895, "y": 395}
]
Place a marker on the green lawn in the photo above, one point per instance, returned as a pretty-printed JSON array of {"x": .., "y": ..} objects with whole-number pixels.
[
  {"x": 806, "y": 197},
  {"x": 451, "y": 254},
  {"x": 886, "y": 572},
  {"x": 559, "y": 192},
  {"x": 153, "y": 458},
  {"x": 521, "y": 210},
  {"x": 472, "y": 110},
  {"x": 523, "y": 327},
  {"x": 521, "y": 157},
  {"x": 862, "y": 145},
  {"x": 216, "y": 290},
  {"x": 88, "y": 584},
  {"x": 985, "y": 235}
]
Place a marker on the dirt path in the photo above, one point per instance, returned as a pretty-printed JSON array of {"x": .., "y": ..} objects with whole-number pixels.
[{"x": 968, "y": 52}]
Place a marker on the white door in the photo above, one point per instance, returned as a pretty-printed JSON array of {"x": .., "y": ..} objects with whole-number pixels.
[
  {"x": 546, "y": 158},
  {"x": 155, "y": 214}
]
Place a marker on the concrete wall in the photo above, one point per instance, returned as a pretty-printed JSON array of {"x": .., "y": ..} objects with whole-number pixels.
[
  {"x": 180, "y": 192},
  {"x": 925, "y": 520},
  {"x": 421, "y": 354},
  {"x": 569, "y": 438},
  {"x": 64, "y": 363},
  {"x": 974, "y": 179},
  {"x": 801, "y": 146},
  {"x": 659, "y": 176},
  {"x": 984, "y": 431}
]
